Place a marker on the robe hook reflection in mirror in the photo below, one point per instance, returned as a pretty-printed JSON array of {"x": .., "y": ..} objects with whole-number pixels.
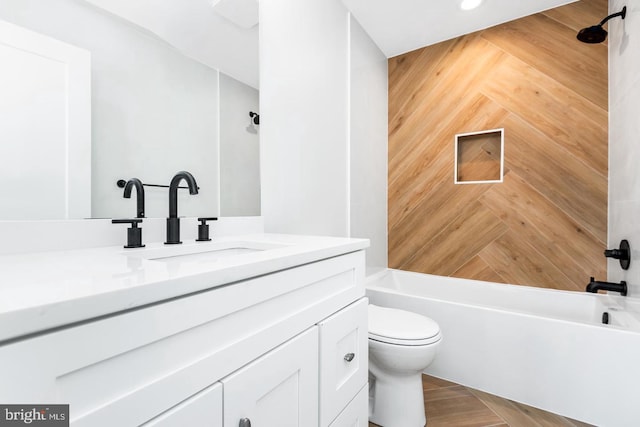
[
  {"x": 121, "y": 183},
  {"x": 597, "y": 34},
  {"x": 255, "y": 117}
]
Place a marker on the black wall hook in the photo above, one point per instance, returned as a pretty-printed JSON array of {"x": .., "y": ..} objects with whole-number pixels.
[{"x": 255, "y": 116}]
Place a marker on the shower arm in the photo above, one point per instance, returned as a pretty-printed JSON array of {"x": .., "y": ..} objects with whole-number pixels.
[{"x": 622, "y": 14}]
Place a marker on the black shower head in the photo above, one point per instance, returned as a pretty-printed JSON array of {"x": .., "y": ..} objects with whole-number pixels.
[
  {"x": 594, "y": 34},
  {"x": 597, "y": 34}
]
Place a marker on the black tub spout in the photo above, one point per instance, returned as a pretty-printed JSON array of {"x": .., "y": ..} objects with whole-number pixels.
[{"x": 595, "y": 285}]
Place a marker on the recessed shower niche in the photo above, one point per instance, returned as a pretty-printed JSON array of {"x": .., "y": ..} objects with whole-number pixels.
[{"x": 479, "y": 157}]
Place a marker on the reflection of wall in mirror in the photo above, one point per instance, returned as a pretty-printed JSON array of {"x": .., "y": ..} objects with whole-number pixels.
[
  {"x": 155, "y": 111},
  {"x": 45, "y": 127},
  {"x": 239, "y": 150}
]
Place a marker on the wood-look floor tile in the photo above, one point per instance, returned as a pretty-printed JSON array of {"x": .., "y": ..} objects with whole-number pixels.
[
  {"x": 506, "y": 409},
  {"x": 577, "y": 423},
  {"x": 463, "y": 411},
  {"x": 547, "y": 419},
  {"x": 430, "y": 383},
  {"x": 446, "y": 393},
  {"x": 518, "y": 414}
]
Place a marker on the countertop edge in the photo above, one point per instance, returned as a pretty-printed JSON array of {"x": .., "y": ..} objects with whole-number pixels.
[{"x": 20, "y": 324}]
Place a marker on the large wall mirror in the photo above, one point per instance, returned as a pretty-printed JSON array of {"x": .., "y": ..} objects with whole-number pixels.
[{"x": 169, "y": 86}]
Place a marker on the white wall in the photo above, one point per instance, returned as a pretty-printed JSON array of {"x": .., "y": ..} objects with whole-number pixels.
[
  {"x": 624, "y": 139},
  {"x": 303, "y": 105},
  {"x": 149, "y": 102},
  {"x": 239, "y": 149},
  {"x": 368, "y": 153},
  {"x": 323, "y": 99}
]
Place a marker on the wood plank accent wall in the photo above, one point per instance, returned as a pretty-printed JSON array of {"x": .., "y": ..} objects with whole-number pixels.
[{"x": 546, "y": 224}]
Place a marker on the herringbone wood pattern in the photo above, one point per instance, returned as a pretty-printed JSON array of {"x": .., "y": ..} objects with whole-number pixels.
[{"x": 546, "y": 224}]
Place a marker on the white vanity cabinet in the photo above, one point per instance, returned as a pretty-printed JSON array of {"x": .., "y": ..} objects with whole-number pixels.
[{"x": 270, "y": 349}]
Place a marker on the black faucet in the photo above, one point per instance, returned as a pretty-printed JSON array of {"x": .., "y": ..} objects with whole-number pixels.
[
  {"x": 135, "y": 182},
  {"x": 595, "y": 285},
  {"x": 173, "y": 222}
]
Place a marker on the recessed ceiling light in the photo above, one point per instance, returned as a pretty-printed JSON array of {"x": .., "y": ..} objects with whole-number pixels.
[{"x": 469, "y": 4}]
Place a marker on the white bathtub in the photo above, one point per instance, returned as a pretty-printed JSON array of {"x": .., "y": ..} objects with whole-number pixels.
[{"x": 541, "y": 347}]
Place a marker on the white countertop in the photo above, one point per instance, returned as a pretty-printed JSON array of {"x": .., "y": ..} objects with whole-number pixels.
[{"x": 44, "y": 290}]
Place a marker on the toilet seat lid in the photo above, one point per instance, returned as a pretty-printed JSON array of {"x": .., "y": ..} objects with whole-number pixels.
[{"x": 401, "y": 327}]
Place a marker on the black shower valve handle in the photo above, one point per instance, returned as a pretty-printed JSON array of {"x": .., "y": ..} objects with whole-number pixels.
[
  {"x": 623, "y": 253},
  {"x": 614, "y": 253}
]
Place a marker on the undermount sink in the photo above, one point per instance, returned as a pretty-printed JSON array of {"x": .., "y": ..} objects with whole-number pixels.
[{"x": 202, "y": 252}]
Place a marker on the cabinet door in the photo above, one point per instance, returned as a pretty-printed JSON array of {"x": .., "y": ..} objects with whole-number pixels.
[
  {"x": 280, "y": 389},
  {"x": 356, "y": 414},
  {"x": 202, "y": 410},
  {"x": 344, "y": 358}
]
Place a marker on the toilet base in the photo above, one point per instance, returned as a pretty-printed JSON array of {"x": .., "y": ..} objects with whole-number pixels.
[{"x": 397, "y": 401}]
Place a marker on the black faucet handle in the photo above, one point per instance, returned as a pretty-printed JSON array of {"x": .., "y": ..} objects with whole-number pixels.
[
  {"x": 133, "y": 221},
  {"x": 203, "y": 229},
  {"x": 204, "y": 220},
  {"x": 134, "y": 234}
]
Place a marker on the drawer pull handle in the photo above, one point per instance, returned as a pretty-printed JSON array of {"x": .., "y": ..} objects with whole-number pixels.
[
  {"x": 349, "y": 357},
  {"x": 245, "y": 422}
]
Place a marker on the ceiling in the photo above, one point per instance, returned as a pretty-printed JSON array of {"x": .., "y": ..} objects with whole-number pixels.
[
  {"x": 219, "y": 33},
  {"x": 200, "y": 30},
  {"x": 400, "y": 26}
]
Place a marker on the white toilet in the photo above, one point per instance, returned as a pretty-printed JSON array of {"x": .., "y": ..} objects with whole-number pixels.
[{"x": 401, "y": 345}]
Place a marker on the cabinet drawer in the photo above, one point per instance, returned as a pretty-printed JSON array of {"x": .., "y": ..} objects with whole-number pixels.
[
  {"x": 356, "y": 414},
  {"x": 204, "y": 409},
  {"x": 344, "y": 358}
]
